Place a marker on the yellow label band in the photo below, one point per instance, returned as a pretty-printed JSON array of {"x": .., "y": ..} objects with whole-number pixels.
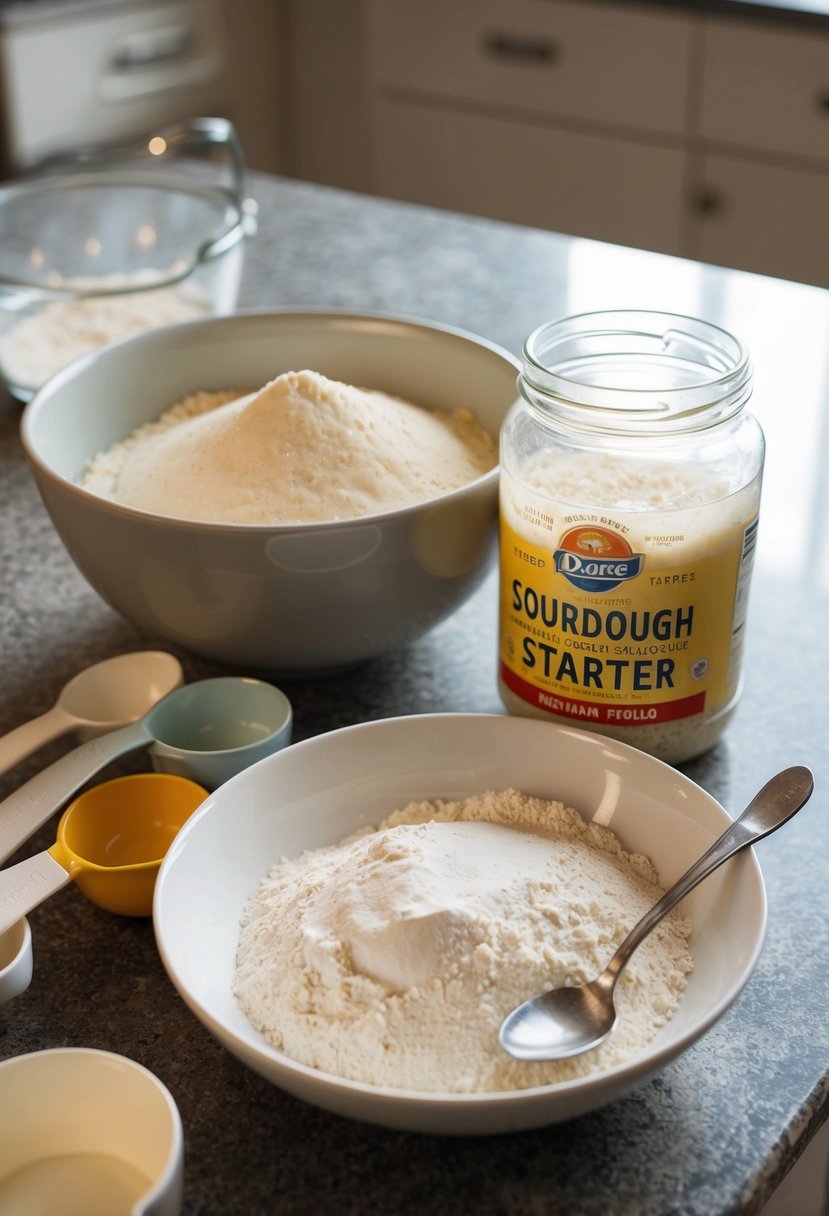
[{"x": 592, "y": 629}]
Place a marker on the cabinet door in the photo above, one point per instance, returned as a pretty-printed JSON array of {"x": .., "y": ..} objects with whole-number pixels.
[
  {"x": 620, "y": 65},
  {"x": 763, "y": 218},
  {"x": 588, "y": 185},
  {"x": 766, "y": 87}
]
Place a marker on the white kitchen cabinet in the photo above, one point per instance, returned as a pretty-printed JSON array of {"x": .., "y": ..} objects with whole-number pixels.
[
  {"x": 760, "y": 183},
  {"x": 534, "y": 111},
  {"x": 760, "y": 216},
  {"x": 666, "y": 128},
  {"x": 592, "y": 184},
  {"x": 765, "y": 87},
  {"x": 616, "y": 65}
]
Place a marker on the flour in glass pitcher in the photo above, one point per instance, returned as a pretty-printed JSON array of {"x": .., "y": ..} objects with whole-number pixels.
[{"x": 73, "y": 1184}]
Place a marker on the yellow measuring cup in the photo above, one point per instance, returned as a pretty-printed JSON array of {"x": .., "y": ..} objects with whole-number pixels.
[{"x": 111, "y": 841}]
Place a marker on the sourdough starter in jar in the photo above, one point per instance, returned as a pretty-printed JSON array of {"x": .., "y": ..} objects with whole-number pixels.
[{"x": 630, "y": 488}]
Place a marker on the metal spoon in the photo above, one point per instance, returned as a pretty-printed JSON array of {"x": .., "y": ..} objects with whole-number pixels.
[{"x": 567, "y": 1021}]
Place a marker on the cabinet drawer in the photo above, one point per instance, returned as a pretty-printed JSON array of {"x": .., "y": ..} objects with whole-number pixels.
[
  {"x": 103, "y": 75},
  {"x": 764, "y": 218},
  {"x": 588, "y": 185},
  {"x": 766, "y": 87},
  {"x": 612, "y": 64}
]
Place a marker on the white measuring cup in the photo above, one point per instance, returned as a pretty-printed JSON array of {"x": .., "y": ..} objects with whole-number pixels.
[
  {"x": 87, "y": 1133},
  {"x": 241, "y": 718},
  {"x": 110, "y": 694}
]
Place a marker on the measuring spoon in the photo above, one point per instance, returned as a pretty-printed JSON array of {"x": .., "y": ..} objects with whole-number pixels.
[
  {"x": 241, "y": 718},
  {"x": 111, "y": 842},
  {"x": 107, "y": 695}
]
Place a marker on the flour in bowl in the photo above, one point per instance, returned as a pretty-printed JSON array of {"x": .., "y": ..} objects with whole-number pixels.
[
  {"x": 303, "y": 449},
  {"x": 393, "y": 957}
]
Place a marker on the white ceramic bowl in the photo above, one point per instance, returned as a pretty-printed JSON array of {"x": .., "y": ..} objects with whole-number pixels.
[
  {"x": 319, "y": 791},
  {"x": 291, "y": 600}
]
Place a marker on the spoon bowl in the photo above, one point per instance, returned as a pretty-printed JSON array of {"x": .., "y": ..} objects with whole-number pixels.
[
  {"x": 207, "y": 731},
  {"x": 103, "y": 697},
  {"x": 568, "y": 1021}
]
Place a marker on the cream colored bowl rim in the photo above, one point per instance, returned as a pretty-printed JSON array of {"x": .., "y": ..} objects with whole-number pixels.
[{"x": 41, "y": 400}]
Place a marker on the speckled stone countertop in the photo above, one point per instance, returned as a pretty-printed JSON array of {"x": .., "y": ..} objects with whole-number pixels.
[{"x": 716, "y": 1131}]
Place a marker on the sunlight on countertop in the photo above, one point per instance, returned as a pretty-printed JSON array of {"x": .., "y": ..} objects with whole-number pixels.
[{"x": 791, "y": 393}]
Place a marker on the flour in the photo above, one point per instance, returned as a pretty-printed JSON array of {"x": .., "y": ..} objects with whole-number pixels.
[
  {"x": 302, "y": 449},
  {"x": 42, "y": 343},
  {"x": 393, "y": 957}
]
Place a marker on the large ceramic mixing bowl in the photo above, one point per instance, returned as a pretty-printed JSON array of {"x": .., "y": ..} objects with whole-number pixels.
[
  {"x": 293, "y": 599},
  {"x": 321, "y": 790}
]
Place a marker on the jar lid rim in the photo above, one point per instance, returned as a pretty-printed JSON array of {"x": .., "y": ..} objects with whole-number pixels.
[{"x": 658, "y": 339}]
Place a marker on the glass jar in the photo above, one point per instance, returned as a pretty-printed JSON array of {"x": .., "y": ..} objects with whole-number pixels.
[{"x": 630, "y": 492}]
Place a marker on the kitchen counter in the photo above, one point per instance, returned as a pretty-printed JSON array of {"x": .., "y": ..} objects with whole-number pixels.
[
  {"x": 794, "y": 13},
  {"x": 717, "y": 1130}
]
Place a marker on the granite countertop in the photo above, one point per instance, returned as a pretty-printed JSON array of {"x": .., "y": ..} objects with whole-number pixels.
[{"x": 716, "y": 1131}]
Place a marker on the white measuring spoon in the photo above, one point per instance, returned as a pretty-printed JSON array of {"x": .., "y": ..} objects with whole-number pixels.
[
  {"x": 241, "y": 718},
  {"x": 108, "y": 695}
]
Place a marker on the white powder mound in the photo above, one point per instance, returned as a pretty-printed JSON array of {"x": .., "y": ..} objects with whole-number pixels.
[
  {"x": 393, "y": 957},
  {"x": 302, "y": 449},
  {"x": 41, "y": 344}
]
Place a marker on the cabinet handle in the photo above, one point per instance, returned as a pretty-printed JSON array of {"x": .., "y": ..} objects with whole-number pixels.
[
  {"x": 520, "y": 48},
  {"x": 823, "y": 101},
  {"x": 148, "y": 49},
  {"x": 708, "y": 201}
]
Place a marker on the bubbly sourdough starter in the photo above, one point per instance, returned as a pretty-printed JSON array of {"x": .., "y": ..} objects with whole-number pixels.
[
  {"x": 302, "y": 449},
  {"x": 393, "y": 957}
]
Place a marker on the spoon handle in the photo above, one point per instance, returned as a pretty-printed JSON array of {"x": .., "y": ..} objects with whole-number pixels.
[
  {"x": 769, "y": 809},
  {"x": 24, "y": 811},
  {"x": 29, "y": 883},
  {"x": 27, "y": 738}
]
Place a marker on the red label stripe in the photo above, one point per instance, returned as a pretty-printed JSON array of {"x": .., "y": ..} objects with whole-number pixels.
[{"x": 615, "y": 714}]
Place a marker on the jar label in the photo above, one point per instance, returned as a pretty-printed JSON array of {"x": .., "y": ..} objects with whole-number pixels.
[{"x": 592, "y": 629}]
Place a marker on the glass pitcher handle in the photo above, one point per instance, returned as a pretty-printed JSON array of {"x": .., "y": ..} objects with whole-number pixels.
[{"x": 197, "y": 138}]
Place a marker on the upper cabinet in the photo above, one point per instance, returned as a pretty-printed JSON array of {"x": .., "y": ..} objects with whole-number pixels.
[{"x": 660, "y": 127}]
